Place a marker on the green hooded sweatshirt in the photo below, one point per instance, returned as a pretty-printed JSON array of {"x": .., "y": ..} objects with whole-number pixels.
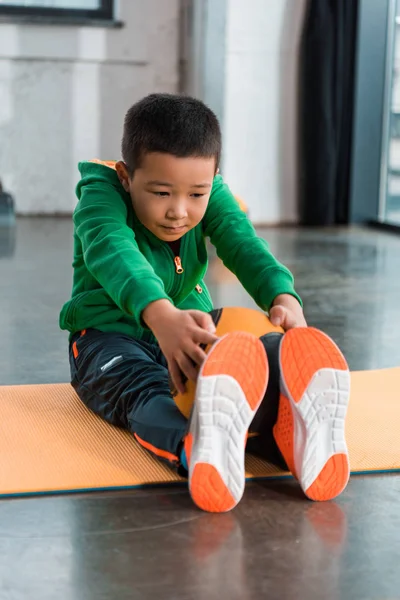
[{"x": 120, "y": 266}]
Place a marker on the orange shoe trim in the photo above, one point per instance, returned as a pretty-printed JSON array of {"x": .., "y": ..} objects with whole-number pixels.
[
  {"x": 232, "y": 356},
  {"x": 187, "y": 444},
  {"x": 331, "y": 480},
  {"x": 209, "y": 491},
  {"x": 305, "y": 353},
  {"x": 284, "y": 432}
]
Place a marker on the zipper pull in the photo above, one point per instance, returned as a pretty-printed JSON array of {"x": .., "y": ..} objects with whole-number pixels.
[
  {"x": 178, "y": 265},
  {"x": 199, "y": 289}
]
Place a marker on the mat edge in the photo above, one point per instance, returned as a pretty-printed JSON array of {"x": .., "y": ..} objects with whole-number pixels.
[{"x": 160, "y": 485}]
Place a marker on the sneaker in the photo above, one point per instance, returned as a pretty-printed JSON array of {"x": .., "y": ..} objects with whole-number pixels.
[
  {"x": 310, "y": 429},
  {"x": 231, "y": 385}
]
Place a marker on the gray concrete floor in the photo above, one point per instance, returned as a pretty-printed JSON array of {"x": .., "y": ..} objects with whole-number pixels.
[{"x": 154, "y": 543}]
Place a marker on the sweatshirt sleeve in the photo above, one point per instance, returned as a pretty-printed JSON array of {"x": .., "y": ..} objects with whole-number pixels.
[
  {"x": 110, "y": 250},
  {"x": 242, "y": 251}
]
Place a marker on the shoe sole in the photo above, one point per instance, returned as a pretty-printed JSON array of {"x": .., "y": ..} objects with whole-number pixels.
[
  {"x": 310, "y": 430},
  {"x": 230, "y": 387}
]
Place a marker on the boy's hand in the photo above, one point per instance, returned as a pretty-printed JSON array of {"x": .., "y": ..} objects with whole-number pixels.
[
  {"x": 179, "y": 334},
  {"x": 287, "y": 312}
]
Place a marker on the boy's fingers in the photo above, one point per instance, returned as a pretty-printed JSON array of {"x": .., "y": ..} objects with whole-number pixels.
[
  {"x": 289, "y": 321},
  {"x": 201, "y": 336},
  {"x": 277, "y": 315},
  {"x": 176, "y": 377},
  {"x": 187, "y": 367},
  {"x": 197, "y": 354},
  {"x": 301, "y": 322},
  {"x": 292, "y": 320},
  {"x": 203, "y": 320},
  {"x": 286, "y": 318}
]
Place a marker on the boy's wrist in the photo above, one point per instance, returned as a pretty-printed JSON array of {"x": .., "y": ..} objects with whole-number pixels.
[
  {"x": 287, "y": 312},
  {"x": 156, "y": 311},
  {"x": 288, "y": 301}
]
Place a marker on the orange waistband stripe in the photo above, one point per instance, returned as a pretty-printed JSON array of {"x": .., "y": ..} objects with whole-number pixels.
[{"x": 156, "y": 451}]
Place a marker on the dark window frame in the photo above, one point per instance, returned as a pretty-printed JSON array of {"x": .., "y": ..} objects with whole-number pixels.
[{"x": 104, "y": 13}]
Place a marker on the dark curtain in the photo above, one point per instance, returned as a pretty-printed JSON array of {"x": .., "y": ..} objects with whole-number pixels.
[{"x": 326, "y": 87}]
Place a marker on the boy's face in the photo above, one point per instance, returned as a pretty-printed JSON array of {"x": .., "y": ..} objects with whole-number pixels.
[{"x": 169, "y": 194}]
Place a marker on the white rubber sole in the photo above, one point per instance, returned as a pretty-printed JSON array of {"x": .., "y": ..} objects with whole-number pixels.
[
  {"x": 319, "y": 424},
  {"x": 219, "y": 424}
]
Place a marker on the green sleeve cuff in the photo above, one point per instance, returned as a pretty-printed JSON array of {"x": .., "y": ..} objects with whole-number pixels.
[
  {"x": 280, "y": 281},
  {"x": 144, "y": 295}
]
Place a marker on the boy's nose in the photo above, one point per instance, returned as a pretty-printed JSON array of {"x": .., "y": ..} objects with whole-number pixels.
[{"x": 177, "y": 211}]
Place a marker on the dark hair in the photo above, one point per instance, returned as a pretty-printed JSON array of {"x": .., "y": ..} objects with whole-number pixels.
[{"x": 177, "y": 125}]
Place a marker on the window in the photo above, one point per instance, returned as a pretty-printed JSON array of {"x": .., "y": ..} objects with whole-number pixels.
[{"x": 58, "y": 9}]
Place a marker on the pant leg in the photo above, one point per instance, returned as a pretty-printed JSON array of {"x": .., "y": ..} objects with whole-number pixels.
[
  {"x": 125, "y": 381},
  {"x": 263, "y": 443}
]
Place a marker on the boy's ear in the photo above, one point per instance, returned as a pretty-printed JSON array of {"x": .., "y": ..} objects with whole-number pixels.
[{"x": 123, "y": 174}]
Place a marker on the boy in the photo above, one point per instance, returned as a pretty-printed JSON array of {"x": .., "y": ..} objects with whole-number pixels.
[{"x": 140, "y": 311}]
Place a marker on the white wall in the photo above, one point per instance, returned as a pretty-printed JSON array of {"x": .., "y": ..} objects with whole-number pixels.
[
  {"x": 250, "y": 80},
  {"x": 64, "y": 92}
]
